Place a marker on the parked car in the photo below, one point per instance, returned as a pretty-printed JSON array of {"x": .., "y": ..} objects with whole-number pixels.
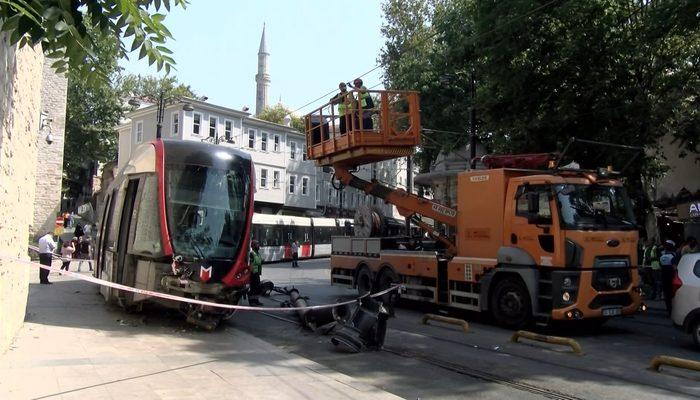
[{"x": 686, "y": 299}]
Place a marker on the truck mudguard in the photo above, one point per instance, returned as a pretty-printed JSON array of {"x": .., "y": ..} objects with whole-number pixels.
[{"x": 516, "y": 261}]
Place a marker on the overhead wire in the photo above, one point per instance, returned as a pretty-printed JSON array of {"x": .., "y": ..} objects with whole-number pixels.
[{"x": 433, "y": 35}]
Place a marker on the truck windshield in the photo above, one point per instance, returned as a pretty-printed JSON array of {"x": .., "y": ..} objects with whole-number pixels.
[
  {"x": 206, "y": 210},
  {"x": 594, "y": 207}
]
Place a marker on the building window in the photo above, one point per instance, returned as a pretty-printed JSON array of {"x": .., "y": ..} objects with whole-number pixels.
[
  {"x": 263, "y": 141},
  {"x": 317, "y": 194},
  {"x": 139, "y": 132},
  {"x": 196, "y": 123},
  {"x": 212, "y": 127},
  {"x": 292, "y": 184},
  {"x": 329, "y": 195},
  {"x": 292, "y": 150},
  {"x": 303, "y": 154},
  {"x": 251, "y": 138},
  {"x": 227, "y": 130},
  {"x": 305, "y": 186},
  {"x": 276, "y": 179},
  {"x": 276, "y": 140},
  {"x": 175, "y": 124},
  {"x": 263, "y": 178}
]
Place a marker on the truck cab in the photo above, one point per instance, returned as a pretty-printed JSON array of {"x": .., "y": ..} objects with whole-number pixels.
[{"x": 564, "y": 245}]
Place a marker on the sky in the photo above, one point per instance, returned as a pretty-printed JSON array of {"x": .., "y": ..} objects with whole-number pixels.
[{"x": 313, "y": 46}]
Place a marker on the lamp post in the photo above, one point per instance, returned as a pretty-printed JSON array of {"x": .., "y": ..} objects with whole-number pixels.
[{"x": 187, "y": 106}]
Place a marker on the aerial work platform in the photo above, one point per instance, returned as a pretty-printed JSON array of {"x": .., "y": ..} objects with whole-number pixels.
[{"x": 351, "y": 132}]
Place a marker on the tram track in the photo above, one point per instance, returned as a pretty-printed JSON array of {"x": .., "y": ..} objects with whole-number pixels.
[
  {"x": 463, "y": 370},
  {"x": 482, "y": 375},
  {"x": 473, "y": 346},
  {"x": 494, "y": 378}
]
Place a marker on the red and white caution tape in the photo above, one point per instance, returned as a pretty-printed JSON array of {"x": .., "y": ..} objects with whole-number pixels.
[{"x": 172, "y": 297}]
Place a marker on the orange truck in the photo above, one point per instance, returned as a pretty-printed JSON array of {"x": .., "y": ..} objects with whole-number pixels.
[{"x": 524, "y": 244}]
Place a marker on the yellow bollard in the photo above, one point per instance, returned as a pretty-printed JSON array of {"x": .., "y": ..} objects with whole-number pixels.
[
  {"x": 454, "y": 321},
  {"x": 548, "y": 339},
  {"x": 658, "y": 361}
]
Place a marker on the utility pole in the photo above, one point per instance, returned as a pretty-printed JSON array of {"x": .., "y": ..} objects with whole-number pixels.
[
  {"x": 409, "y": 189},
  {"x": 472, "y": 125},
  {"x": 159, "y": 115}
]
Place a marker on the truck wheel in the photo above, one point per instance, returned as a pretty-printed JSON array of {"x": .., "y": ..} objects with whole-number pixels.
[
  {"x": 386, "y": 279},
  {"x": 695, "y": 330},
  {"x": 510, "y": 303},
  {"x": 364, "y": 281}
]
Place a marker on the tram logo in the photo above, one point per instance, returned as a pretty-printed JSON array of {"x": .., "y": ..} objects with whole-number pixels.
[{"x": 205, "y": 273}]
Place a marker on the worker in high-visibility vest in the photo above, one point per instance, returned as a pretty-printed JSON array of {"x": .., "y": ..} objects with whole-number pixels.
[
  {"x": 346, "y": 105},
  {"x": 364, "y": 99},
  {"x": 255, "y": 270}
]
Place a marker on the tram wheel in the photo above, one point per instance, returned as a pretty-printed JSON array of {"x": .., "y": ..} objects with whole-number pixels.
[
  {"x": 510, "y": 303},
  {"x": 364, "y": 281}
]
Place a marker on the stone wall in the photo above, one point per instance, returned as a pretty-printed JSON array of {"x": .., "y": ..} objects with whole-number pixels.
[
  {"x": 20, "y": 104},
  {"x": 50, "y": 156}
]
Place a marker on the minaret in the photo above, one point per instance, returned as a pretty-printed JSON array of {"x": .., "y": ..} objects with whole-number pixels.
[{"x": 262, "y": 79}]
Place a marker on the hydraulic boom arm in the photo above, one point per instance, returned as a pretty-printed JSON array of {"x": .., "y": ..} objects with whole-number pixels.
[{"x": 408, "y": 204}]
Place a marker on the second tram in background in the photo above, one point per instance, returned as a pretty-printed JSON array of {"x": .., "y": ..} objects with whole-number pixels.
[{"x": 275, "y": 234}]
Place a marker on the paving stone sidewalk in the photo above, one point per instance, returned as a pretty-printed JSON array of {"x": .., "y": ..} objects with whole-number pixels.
[{"x": 74, "y": 346}]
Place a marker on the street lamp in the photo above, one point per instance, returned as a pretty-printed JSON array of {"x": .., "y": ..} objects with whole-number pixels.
[{"x": 187, "y": 106}]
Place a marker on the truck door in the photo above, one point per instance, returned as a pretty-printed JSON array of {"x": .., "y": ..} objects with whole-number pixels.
[{"x": 532, "y": 226}]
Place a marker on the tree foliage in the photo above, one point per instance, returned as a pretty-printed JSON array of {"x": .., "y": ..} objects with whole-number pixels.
[
  {"x": 623, "y": 71},
  {"x": 149, "y": 87},
  {"x": 65, "y": 29},
  {"x": 277, "y": 114},
  {"x": 93, "y": 112}
]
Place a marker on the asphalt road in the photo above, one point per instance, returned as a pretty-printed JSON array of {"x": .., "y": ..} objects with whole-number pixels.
[{"x": 439, "y": 361}]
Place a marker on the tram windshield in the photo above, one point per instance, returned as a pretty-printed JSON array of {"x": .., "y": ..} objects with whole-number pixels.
[{"x": 206, "y": 210}]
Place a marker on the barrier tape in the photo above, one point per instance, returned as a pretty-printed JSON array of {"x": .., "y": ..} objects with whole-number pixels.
[{"x": 167, "y": 296}]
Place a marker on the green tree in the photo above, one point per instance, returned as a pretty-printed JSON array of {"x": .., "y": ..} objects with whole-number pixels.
[
  {"x": 622, "y": 71},
  {"x": 149, "y": 87},
  {"x": 66, "y": 30},
  {"x": 277, "y": 114},
  {"x": 93, "y": 111}
]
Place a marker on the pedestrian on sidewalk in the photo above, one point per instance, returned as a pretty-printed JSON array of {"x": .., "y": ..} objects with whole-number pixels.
[
  {"x": 67, "y": 251},
  {"x": 46, "y": 249},
  {"x": 84, "y": 252},
  {"x": 668, "y": 260},
  {"x": 79, "y": 232},
  {"x": 295, "y": 254},
  {"x": 255, "y": 271},
  {"x": 691, "y": 246}
]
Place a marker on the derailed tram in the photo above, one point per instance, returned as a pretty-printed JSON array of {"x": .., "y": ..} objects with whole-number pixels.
[{"x": 177, "y": 220}]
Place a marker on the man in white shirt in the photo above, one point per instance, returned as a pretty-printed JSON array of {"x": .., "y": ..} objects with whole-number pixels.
[{"x": 46, "y": 248}]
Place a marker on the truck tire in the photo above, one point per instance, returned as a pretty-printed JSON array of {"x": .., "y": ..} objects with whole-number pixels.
[
  {"x": 510, "y": 303},
  {"x": 387, "y": 278},
  {"x": 364, "y": 281}
]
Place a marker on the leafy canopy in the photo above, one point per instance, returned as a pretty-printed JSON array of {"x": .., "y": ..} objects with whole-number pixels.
[
  {"x": 277, "y": 114},
  {"x": 623, "y": 71},
  {"x": 148, "y": 87},
  {"x": 65, "y": 29}
]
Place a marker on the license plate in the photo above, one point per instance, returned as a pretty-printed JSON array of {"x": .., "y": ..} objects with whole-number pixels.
[{"x": 612, "y": 311}]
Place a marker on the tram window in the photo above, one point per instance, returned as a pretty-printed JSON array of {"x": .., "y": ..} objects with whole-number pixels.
[
  {"x": 147, "y": 238},
  {"x": 270, "y": 235},
  {"x": 118, "y": 199}
]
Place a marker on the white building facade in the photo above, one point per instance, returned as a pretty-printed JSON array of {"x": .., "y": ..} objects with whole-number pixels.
[{"x": 285, "y": 179}]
